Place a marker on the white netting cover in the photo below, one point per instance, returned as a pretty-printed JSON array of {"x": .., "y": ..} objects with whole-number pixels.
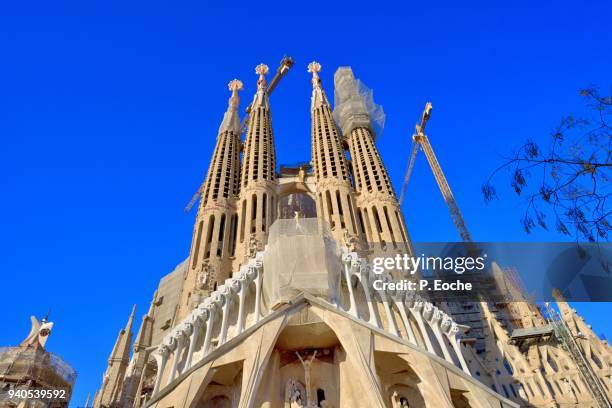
[
  {"x": 353, "y": 101},
  {"x": 301, "y": 256}
]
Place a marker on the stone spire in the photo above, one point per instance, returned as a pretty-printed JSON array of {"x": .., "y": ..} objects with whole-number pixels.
[
  {"x": 261, "y": 96},
  {"x": 231, "y": 121},
  {"x": 134, "y": 373},
  {"x": 214, "y": 232},
  {"x": 379, "y": 213},
  {"x": 257, "y": 203},
  {"x": 335, "y": 201},
  {"x": 110, "y": 393},
  {"x": 318, "y": 94}
]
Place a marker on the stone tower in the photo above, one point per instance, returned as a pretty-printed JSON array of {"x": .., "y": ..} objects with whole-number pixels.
[
  {"x": 132, "y": 384},
  {"x": 335, "y": 201},
  {"x": 379, "y": 213},
  {"x": 113, "y": 380},
  {"x": 213, "y": 241},
  {"x": 257, "y": 188}
]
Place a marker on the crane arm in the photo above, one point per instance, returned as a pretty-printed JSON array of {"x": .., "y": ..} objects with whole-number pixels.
[
  {"x": 415, "y": 150},
  {"x": 444, "y": 187},
  {"x": 195, "y": 197}
]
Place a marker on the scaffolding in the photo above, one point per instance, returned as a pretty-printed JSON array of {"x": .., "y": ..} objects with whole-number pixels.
[
  {"x": 569, "y": 344},
  {"x": 34, "y": 367},
  {"x": 354, "y": 104}
]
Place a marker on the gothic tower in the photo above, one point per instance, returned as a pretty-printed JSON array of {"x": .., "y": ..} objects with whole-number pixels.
[
  {"x": 134, "y": 373},
  {"x": 213, "y": 241},
  {"x": 335, "y": 202},
  {"x": 257, "y": 192},
  {"x": 112, "y": 383},
  {"x": 378, "y": 210}
]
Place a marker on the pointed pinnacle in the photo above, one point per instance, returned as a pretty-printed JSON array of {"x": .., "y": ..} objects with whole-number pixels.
[
  {"x": 131, "y": 318},
  {"x": 234, "y": 85},
  {"x": 314, "y": 67},
  {"x": 261, "y": 70}
]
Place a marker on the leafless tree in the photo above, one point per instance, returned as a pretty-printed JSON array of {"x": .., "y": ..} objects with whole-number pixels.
[{"x": 568, "y": 179}]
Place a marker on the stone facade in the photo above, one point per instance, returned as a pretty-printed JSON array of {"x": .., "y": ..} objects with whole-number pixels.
[{"x": 277, "y": 309}]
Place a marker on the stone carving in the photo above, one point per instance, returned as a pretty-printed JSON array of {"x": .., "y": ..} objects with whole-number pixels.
[
  {"x": 294, "y": 394},
  {"x": 350, "y": 241},
  {"x": 235, "y": 85},
  {"x": 307, "y": 364},
  {"x": 254, "y": 246},
  {"x": 261, "y": 70},
  {"x": 204, "y": 275}
]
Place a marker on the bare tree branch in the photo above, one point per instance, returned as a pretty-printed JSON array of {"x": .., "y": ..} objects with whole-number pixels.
[{"x": 570, "y": 179}]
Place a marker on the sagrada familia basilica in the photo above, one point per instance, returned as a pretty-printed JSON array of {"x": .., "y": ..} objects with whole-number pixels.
[{"x": 274, "y": 306}]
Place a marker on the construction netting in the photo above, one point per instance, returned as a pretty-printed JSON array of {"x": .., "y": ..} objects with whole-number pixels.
[
  {"x": 301, "y": 256},
  {"x": 353, "y": 101},
  {"x": 37, "y": 366}
]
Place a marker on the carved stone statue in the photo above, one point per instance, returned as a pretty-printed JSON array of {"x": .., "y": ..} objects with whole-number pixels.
[
  {"x": 204, "y": 275},
  {"x": 294, "y": 394},
  {"x": 398, "y": 401},
  {"x": 39, "y": 333},
  {"x": 307, "y": 364},
  {"x": 350, "y": 241},
  {"x": 254, "y": 246}
]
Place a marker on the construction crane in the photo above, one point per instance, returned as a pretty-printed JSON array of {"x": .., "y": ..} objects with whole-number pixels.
[
  {"x": 285, "y": 65},
  {"x": 562, "y": 331},
  {"x": 420, "y": 140}
]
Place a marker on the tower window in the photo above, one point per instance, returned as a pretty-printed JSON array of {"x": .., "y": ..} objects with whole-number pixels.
[
  {"x": 242, "y": 220},
  {"x": 340, "y": 211},
  {"x": 221, "y": 233},
  {"x": 264, "y": 207},
  {"x": 196, "y": 252},
  {"x": 389, "y": 226},
  {"x": 254, "y": 214},
  {"x": 209, "y": 233}
]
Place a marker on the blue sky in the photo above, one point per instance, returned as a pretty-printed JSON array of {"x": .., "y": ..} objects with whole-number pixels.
[{"x": 109, "y": 112}]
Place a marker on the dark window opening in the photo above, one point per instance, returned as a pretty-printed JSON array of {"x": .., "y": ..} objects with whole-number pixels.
[{"x": 320, "y": 396}]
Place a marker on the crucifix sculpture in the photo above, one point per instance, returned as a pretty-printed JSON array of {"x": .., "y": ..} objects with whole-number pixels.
[{"x": 307, "y": 364}]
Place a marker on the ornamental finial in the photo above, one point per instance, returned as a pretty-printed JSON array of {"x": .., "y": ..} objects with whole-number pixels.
[
  {"x": 261, "y": 70},
  {"x": 314, "y": 67},
  {"x": 234, "y": 85}
]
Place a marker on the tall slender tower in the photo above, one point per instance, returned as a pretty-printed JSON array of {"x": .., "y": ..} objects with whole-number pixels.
[
  {"x": 112, "y": 384},
  {"x": 134, "y": 373},
  {"x": 257, "y": 193},
  {"x": 214, "y": 233},
  {"x": 335, "y": 200},
  {"x": 379, "y": 213}
]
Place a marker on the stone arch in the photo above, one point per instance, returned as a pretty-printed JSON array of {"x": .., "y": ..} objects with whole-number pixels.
[
  {"x": 401, "y": 383},
  {"x": 361, "y": 301}
]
